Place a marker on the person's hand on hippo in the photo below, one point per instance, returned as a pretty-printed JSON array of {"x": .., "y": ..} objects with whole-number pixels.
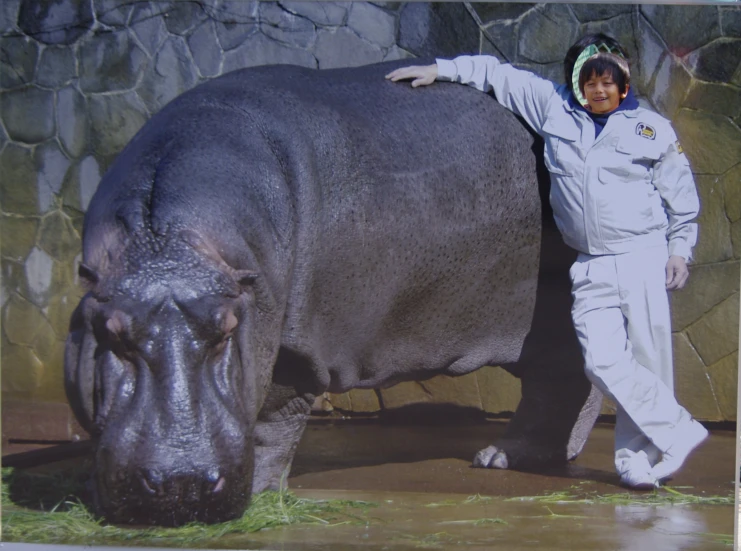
[{"x": 422, "y": 74}]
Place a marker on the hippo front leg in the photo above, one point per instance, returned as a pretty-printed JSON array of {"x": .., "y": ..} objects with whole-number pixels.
[
  {"x": 551, "y": 425},
  {"x": 280, "y": 424}
]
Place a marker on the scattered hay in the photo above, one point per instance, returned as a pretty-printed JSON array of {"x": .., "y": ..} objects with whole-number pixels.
[
  {"x": 660, "y": 496},
  {"x": 28, "y": 519}
]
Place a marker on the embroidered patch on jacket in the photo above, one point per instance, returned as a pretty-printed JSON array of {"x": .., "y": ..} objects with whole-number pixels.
[
  {"x": 680, "y": 149},
  {"x": 645, "y": 131}
]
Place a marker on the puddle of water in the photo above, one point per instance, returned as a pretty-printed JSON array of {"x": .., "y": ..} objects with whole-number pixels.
[{"x": 414, "y": 521}]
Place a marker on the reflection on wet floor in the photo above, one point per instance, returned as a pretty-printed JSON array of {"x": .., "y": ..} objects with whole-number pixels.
[
  {"x": 406, "y": 468},
  {"x": 413, "y": 521}
]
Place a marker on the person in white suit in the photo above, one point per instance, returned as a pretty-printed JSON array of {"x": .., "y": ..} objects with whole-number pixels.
[{"x": 624, "y": 197}]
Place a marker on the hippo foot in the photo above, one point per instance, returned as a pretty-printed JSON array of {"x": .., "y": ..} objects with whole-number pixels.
[{"x": 491, "y": 458}]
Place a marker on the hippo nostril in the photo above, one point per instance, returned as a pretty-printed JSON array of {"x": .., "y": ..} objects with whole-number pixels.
[
  {"x": 213, "y": 476},
  {"x": 219, "y": 485},
  {"x": 151, "y": 481}
]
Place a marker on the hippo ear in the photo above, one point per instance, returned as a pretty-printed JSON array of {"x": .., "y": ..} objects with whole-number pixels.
[{"x": 89, "y": 276}]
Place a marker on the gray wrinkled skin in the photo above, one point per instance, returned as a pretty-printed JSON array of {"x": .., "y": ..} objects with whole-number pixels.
[{"x": 279, "y": 232}]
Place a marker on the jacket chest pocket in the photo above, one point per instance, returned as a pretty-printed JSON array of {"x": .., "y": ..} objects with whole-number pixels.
[
  {"x": 633, "y": 160},
  {"x": 561, "y": 147}
]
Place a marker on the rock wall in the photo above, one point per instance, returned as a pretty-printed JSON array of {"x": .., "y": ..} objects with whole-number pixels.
[{"x": 79, "y": 77}]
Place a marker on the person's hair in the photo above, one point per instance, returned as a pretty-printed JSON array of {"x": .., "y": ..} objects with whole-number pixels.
[
  {"x": 583, "y": 42},
  {"x": 602, "y": 63}
]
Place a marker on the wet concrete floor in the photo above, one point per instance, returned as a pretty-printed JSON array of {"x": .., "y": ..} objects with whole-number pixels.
[
  {"x": 421, "y": 479},
  {"x": 427, "y": 496}
]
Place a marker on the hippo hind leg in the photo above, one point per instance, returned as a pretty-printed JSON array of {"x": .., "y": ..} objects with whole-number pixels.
[{"x": 551, "y": 424}]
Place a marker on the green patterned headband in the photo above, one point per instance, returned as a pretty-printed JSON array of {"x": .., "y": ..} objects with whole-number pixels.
[{"x": 588, "y": 52}]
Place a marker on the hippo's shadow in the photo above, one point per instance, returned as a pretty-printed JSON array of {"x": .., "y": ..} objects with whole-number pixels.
[
  {"x": 52, "y": 487},
  {"x": 410, "y": 434}
]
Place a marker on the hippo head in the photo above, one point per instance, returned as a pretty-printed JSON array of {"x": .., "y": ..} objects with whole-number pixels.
[{"x": 160, "y": 369}]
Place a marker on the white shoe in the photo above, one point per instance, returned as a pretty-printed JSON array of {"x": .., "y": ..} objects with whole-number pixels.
[
  {"x": 673, "y": 458},
  {"x": 635, "y": 473}
]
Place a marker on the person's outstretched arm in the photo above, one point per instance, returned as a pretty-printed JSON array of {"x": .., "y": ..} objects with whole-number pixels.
[{"x": 519, "y": 91}]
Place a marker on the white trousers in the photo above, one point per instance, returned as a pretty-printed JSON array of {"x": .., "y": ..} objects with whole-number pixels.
[{"x": 621, "y": 315}]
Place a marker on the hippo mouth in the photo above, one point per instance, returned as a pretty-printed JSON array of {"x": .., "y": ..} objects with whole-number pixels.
[{"x": 149, "y": 497}]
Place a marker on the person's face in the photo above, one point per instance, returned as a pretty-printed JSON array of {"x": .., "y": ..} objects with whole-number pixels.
[{"x": 602, "y": 93}]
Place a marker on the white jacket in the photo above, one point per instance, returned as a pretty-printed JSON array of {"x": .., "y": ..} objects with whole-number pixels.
[{"x": 628, "y": 189}]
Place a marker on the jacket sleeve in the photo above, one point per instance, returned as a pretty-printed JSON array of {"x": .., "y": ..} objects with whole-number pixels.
[
  {"x": 519, "y": 91},
  {"x": 674, "y": 181}
]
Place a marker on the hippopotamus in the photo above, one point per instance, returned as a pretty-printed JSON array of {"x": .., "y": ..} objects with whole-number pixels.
[{"x": 279, "y": 232}]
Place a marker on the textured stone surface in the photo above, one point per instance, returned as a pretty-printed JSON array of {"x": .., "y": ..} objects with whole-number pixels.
[
  {"x": 18, "y": 193},
  {"x": 284, "y": 26},
  {"x": 57, "y": 67},
  {"x": 500, "y": 391},
  {"x": 234, "y": 21},
  {"x": 58, "y": 237},
  {"x": 708, "y": 286},
  {"x": 692, "y": 384},
  {"x": 714, "y": 230},
  {"x": 321, "y": 13},
  {"x": 491, "y": 11},
  {"x": 343, "y": 48},
  {"x": 600, "y": 12},
  {"x": 22, "y": 371},
  {"x": 715, "y": 62},
  {"x": 72, "y": 121},
  {"x": 712, "y": 142},
  {"x": 372, "y": 23},
  {"x": 721, "y": 99},
  {"x": 89, "y": 178},
  {"x": 504, "y": 39},
  {"x": 260, "y": 50},
  {"x": 232, "y": 34},
  {"x": 184, "y": 16},
  {"x": 736, "y": 238},
  {"x": 650, "y": 53},
  {"x": 60, "y": 308},
  {"x": 113, "y": 121},
  {"x": 437, "y": 30},
  {"x": 731, "y": 181},
  {"x": 9, "y": 15},
  {"x": 18, "y": 236},
  {"x": 52, "y": 166},
  {"x": 547, "y": 33},
  {"x": 673, "y": 24},
  {"x": 670, "y": 86},
  {"x": 730, "y": 20},
  {"x": 55, "y": 21},
  {"x": 148, "y": 24},
  {"x": 204, "y": 48},
  {"x": 716, "y": 334},
  {"x": 113, "y": 13},
  {"x": 724, "y": 376},
  {"x": 394, "y": 52},
  {"x": 356, "y": 401},
  {"x": 22, "y": 321},
  {"x": 38, "y": 268},
  {"x": 462, "y": 391},
  {"x": 18, "y": 58},
  {"x": 172, "y": 73},
  {"x": 110, "y": 62},
  {"x": 28, "y": 114}
]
